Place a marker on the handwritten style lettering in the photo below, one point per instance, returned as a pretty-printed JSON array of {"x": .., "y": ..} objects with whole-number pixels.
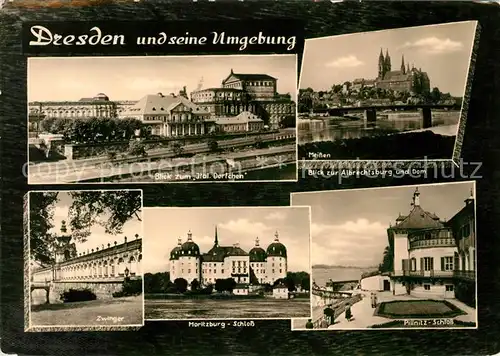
[{"x": 45, "y": 37}]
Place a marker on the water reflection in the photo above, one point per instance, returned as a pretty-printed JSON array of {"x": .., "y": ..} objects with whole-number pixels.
[{"x": 337, "y": 128}]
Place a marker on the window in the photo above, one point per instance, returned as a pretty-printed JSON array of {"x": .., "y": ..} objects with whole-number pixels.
[
  {"x": 189, "y": 270},
  {"x": 273, "y": 270},
  {"x": 222, "y": 271},
  {"x": 428, "y": 263},
  {"x": 215, "y": 271},
  {"x": 427, "y": 286},
  {"x": 447, "y": 263},
  {"x": 449, "y": 287}
]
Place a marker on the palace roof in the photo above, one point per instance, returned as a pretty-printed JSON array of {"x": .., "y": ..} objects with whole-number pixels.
[
  {"x": 218, "y": 253},
  {"x": 419, "y": 219},
  {"x": 252, "y": 76},
  {"x": 242, "y": 118},
  {"x": 158, "y": 104}
]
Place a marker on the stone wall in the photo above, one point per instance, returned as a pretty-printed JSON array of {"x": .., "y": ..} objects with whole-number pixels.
[{"x": 103, "y": 290}]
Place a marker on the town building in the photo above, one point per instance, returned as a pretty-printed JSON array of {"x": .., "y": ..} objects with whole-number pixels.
[
  {"x": 280, "y": 291},
  {"x": 97, "y": 106},
  {"x": 406, "y": 79},
  {"x": 171, "y": 115},
  {"x": 258, "y": 266},
  {"x": 243, "y": 122},
  {"x": 256, "y": 93},
  {"x": 425, "y": 251}
]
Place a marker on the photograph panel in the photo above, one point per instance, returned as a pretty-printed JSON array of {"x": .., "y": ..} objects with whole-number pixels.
[
  {"x": 83, "y": 258},
  {"x": 227, "y": 263},
  {"x": 162, "y": 119},
  {"x": 385, "y": 95},
  {"x": 397, "y": 257}
]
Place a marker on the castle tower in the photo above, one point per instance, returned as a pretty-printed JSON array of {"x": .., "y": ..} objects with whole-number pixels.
[
  {"x": 403, "y": 68},
  {"x": 381, "y": 65},
  {"x": 216, "y": 240},
  {"x": 407, "y": 67},
  {"x": 387, "y": 61},
  {"x": 416, "y": 198}
]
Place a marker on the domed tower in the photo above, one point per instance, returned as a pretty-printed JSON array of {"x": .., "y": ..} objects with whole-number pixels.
[
  {"x": 276, "y": 260},
  {"x": 174, "y": 260},
  {"x": 101, "y": 97},
  {"x": 258, "y": 262},
  {"x": 189, "y": 259}
]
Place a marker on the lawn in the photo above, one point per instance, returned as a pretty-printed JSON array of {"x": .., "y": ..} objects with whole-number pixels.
[
  {"x": 418, "y": 309},
  {"x": 118, "y": 311}
]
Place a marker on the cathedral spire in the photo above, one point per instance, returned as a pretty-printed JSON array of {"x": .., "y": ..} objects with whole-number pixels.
[
  {"x": 381, "y": 64},
  {"x": 403, "y": 68},
  {"x": 216, "y": 241},
  {"x": 407, "y": 67},
  {"x": 387, "y": 61},
  {"x": 416, "y": 198}
]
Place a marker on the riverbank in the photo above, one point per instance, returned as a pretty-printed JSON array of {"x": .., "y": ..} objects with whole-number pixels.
[{"x": 410, "y": 145}]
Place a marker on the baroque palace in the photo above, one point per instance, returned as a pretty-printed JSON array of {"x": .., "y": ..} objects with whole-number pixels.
[
  {"x": 244, "y": 102},
  {"x": 434, "y": 258},
  {"x": 258, "y": 266},
  {"x": 406, "y": 79}
]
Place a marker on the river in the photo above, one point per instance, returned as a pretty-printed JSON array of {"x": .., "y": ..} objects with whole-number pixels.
[
  {"x": 337, "y": 128},
  {"x": 175, "y": 309},
  {"x": 324, "y": 274}
]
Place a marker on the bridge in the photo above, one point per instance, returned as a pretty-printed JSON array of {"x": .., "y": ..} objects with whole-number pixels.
[
  {"x": 102, "y": 270},
  {"x": 370, "y": 111}
]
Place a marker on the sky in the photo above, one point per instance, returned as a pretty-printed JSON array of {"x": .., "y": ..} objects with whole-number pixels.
[
  {"x": 443, "y": 51},
  {"x": 349, "y": 227},
  {"x": 131, "y": 78},
  {"x": 163, "y": 227},
  {"x": 97, "y": 237}
]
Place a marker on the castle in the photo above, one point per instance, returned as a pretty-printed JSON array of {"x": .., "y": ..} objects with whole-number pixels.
[
  {"x": 258, "y": 266},
  {"x": 405, "y": 79}
]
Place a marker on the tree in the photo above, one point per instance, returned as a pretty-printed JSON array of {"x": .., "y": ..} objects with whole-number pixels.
[
  {"x": 181, "y": 285},
  {"x": 387, "y": 260},
  {"x": 41, "y": 213},
  {"x": 177, "y": 148},
  {"x": 157, "y": 283},
  {"x": 305, "y": 284},
  {"x": 195, "y": 285},
  {"x": 136, "y": 148},
  {"x": 89, "y": 207},
  {"x": 219, "y": 285},
  {"x": 213, "y": 145}
]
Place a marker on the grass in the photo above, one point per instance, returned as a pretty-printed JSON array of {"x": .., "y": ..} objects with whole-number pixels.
[
  {"x": 119, "y": 311},
  {"x": 418, "y": 309}
]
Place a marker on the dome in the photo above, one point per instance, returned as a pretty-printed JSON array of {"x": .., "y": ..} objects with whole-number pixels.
[
  {"x": 174, "y": 254},
  {"x": 276, "y": 249},
  {"x": 189, "y": 248},
  {"x": 257, "y": 254},
  {"x": 101, "y": 96}
]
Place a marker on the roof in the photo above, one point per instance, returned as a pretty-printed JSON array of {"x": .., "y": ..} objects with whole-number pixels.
[
  {"x": 244, "y": 76},
  {"x": 216, "y": 89},
  {"x": 419, "y": 219},
  {"x": 395, "y": 76},
  {"x": 218, "y": 253},
  {"x": 158, "y": 104},
  {"x": 242, "y": 118}
]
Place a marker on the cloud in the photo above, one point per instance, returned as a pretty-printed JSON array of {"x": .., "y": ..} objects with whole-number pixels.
[
  {"x": 345, "y": 62},
  {"x": 149, "y": 85},
  {"x": 353, "y": 243},
  {"x": 276, "y": 215},
  {"x": 434, "y": 45},
  {"x": 246, "y": 227}
]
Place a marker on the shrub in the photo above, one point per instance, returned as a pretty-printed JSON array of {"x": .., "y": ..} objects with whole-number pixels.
[
  {"x": 129, "y": 287},
  {"x": 77, "y": 295}
]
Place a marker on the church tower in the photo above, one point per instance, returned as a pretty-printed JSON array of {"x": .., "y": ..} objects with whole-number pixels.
[
  {"x": 381, "y": 65},
  {"x": 387, "y": 66},
  {"x": 403, "y": 68}
]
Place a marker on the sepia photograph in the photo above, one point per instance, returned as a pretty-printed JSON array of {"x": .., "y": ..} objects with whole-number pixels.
[
  {"x": 162, "y": 119},
  {"x": 227, "y": 263},
  {"x": 395, "y": 94},
  {"x": 83, "y": 257},
  {"x": 396, "y": 257}
]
